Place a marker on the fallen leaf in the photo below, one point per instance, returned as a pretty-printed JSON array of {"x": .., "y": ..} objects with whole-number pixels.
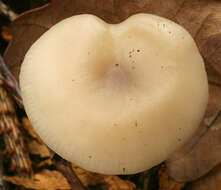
[
  {"x": 46, "y": 179},
  {"x": 110, "y": 182},
  {"x": 202, "y": 18},
  {"x": 201, "y": 154},
  {"x": 28, "y": 127},
  {"x": 6, "y": 33},
  {"x": 36, "y": 148},
  {"x": 214, "y": 104},
  {"x": 115, "y": 183},
  {"x": 166, "y": 183},
  {"x": 45, "y": 163},
  {"x": 211, "y": 181},
  {"x": 195, "y": 15},
  {"x": 88, "y": 178}
]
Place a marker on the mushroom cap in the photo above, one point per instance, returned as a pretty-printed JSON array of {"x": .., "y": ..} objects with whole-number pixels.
[{"x": 114, "y": 98}]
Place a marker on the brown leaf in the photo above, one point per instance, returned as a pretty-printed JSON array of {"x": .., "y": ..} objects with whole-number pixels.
[
  {"x": 28, "y": 127},
  {"x": 14, "y": 149},
  {"x": 199, "y": 155},
  {"x": 45, "y": 179},
  {"x": 88, "y": 178},
  {"x": 6, "y": 33},
  {"x": 202, "y": 153},
  {"x": 192, "y": 14},
  {"x": 214, "y": 103},
  {"x": 208, "y": 39},
  {"x": 36, "y": 148},
  {"x": 111, "y": 182},
  {"x": 166, "y": 183},
  {"x": 45, "y": 163},
  {"x": 115, "y": 183},
  {"x": 211, "y": 181}
]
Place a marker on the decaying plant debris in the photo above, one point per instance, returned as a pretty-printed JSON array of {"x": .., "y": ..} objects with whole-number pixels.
[{"x": 195, "y": 166}]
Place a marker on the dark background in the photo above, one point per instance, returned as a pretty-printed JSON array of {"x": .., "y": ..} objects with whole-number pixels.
[{"x": 17, "y": 6}]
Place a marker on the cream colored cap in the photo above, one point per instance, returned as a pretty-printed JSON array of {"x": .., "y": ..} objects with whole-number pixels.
[{"x": 114, "y": 99}]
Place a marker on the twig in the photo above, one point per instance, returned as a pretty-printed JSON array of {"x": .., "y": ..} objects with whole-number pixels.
[
  {"x": 65, "y": 168},
  {"x": 8, "y": 81},
  {"x": 4, "y": 9}
]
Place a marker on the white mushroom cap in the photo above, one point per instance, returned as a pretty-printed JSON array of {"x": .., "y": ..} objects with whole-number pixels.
[{"x": 114, "y": 99}]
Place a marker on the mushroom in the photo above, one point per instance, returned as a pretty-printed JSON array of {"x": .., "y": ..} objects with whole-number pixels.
[{"x": 114, "y": 98}]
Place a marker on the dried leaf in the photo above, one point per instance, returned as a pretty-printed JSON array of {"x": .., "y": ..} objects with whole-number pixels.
[
  {"x": 45, "y": 163},
  {"x": 88, "y": 178},
  {"x": 15, "y": 149},
  {"x": 28, "y": 127},
  {"x": 45, "y": 179},
  {"x": 214, "y": 104},
  {"x": 111, "y": 182},
  {"x": 199, "y": 155},
  {"x": 212, "y": 181},
  {"x": 36, "y": 148},
  {"x": 115, "y": 183},
  {"x": 6, "y": 33},
  {"x": 195, "y": 15},
  {"x": 166, "y": 183}
]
